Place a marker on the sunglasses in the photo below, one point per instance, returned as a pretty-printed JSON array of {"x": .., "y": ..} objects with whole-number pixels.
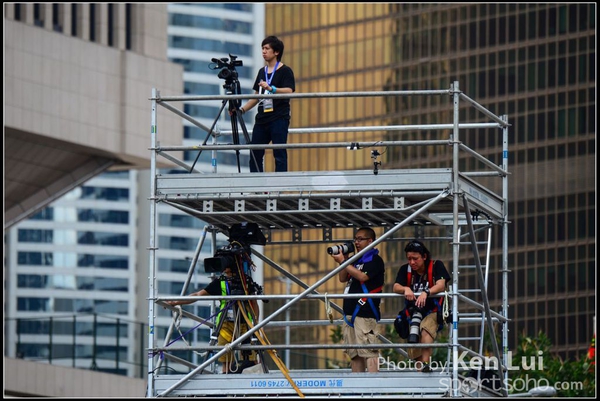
[{"x": 414, "y": 247}]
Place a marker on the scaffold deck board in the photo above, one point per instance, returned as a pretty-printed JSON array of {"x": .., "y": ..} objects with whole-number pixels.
[
  {"x": 322, "y": 383},
  {"x": 300, "y": 200}
]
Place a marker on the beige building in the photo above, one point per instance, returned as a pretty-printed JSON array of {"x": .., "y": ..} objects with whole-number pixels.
[
  {"x": 77, "y": 79},
  {"x": 533, "y": 62}
]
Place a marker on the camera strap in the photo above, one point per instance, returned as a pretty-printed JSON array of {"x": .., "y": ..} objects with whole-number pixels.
[
  {"x": 362, "y": 301},
  {"x": 438, "y": 302}
]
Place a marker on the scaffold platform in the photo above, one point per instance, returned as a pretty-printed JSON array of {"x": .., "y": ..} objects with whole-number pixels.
[
  {"x": 293, "y": 201},
  {"x": 300, "y": 200}
]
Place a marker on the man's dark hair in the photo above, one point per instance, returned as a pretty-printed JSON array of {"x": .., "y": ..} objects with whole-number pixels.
[
  {"x": 275, "y": 43},
  {"x": 417, "y": 246},
  {"x": 370, "y": 232}
]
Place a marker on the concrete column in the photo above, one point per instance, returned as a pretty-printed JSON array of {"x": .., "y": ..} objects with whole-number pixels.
[
  {"x": 27, "y": 13},
  {"x": 9, "y": 11},
  {"x": 102, "y": 24},
  {"x": 83, "y": 21},
  {"x": 46, "y": 12},
  {"x": 66, "y": 19},
  {"x": 119, "y": 26}
]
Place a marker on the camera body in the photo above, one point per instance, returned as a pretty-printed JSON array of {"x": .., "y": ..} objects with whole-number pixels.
[
  {"x": 241, "y": 236},
  {"x": 416, "y": 316},
  {"x": 224, "y": 257},
  {"x": 344, "y": 248}
]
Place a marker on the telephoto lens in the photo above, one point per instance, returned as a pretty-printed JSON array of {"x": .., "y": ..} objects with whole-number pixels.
[
  {"x": 415, "y": 326},
  {"x": 341, "y": 248}
]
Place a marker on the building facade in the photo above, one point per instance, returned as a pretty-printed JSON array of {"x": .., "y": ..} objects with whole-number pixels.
[
  {"x": 77, "y": 271},
  {"x": 534, "y": 63}
]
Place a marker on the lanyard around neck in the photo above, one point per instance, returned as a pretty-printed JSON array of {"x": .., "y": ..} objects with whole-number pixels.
[{"x": 269, "y": 79}]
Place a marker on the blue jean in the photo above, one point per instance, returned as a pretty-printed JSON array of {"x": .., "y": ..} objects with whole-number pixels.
[{"x": 276, "y": 132}]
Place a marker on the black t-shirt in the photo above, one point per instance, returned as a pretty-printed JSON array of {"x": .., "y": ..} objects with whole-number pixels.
[
  {"x": 214, "y": 287},
  {"x": 420, "y": 283},
  {"x": 375, "y": 269},
  {"x": 282, "y": 78}
]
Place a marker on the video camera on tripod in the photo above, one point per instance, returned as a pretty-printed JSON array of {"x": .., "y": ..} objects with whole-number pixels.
[
  {"x": 241, "y": 236},
  {"x": 232, "y": 86},
  {"x": 228, "y": 71}
]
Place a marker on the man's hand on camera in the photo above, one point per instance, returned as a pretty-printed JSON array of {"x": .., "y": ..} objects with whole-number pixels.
[{"x": 340, "y": 258}]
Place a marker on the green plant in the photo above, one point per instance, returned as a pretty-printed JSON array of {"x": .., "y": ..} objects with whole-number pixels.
[{"x": 570, "y": 378}]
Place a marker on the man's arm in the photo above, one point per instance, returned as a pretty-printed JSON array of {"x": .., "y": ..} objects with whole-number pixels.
[
  {"x": 357, "y": 274},
  {"x": 439, "y": 286},
  {"x": 249, "y": 104},
  {"x": 202, "y": 292},
  {"x": 398, "y": 288}
]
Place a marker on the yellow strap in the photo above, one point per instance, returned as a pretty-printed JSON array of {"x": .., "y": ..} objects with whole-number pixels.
[{"x": 264, "y": 341}]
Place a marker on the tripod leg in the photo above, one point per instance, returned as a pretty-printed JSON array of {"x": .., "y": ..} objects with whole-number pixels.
[
  {"x": 215, "y": 334},
  {"x": 247, "y": 310},
  {"x": 236, "y": 136},
  {"x": 209, "y": 133},
  {"x": 247, "y": 138},
  {"x": 260, "y": 334}
]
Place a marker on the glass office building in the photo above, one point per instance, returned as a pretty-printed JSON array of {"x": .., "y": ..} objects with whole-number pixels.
[
  {"x": 73, "y": 278},
  {"x": 536, "y": 63},
  {"x": 533, "y": 62}
]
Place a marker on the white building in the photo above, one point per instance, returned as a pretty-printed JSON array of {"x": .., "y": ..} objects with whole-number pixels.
[{"x": 80, "y": 263}]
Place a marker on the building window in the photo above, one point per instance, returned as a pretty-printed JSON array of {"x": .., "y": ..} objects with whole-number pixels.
[
  {"x": 38, "y": 15},
  {"x": 57, "y": 23},
  {"x": 102, "y": 238},
  {"x": 92, "y": 22},
  {"x": 18, "y": 12},
  {"x": 74, "y": 9},
  {"x": 33, "y": 235},
  {"x": 111, "y": 17},
  {"x": 128, "y": 29}
]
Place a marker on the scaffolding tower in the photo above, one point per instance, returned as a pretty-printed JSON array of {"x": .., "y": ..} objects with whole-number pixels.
[{"x": 296, "y": 201}]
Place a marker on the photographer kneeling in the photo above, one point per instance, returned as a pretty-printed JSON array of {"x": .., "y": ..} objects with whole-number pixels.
[{"x": 419, "y": 321}]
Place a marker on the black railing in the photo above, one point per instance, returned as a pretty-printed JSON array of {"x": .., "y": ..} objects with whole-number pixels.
[
  {"x": 86, "y": 341},
  {"x": 102, "y": 343}
]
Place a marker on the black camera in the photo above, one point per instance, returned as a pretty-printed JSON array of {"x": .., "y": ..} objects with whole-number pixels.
[
  {"x": 241, "y": 236},
  {"x": 224, "y": 257},
  {"x": 344, "y": 248},
  {"x": 415, "y": 324},
  {"x": 228, "y": 71}
]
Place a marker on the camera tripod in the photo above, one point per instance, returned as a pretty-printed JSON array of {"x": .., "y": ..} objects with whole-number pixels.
[
  {"x": 237, "y": 309},
  {"x": 232, "y": 87}
]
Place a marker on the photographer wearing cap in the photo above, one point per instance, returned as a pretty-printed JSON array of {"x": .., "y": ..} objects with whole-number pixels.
[
  {"x": 362, "y": 314},
  {"x": 419, "y": 321}
]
